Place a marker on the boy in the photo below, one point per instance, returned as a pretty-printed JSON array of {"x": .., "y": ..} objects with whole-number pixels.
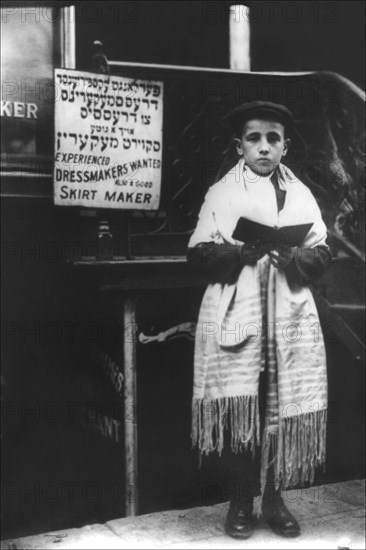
[{"x": 260, "y": 384}]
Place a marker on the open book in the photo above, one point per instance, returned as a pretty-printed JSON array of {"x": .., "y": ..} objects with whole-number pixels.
[{"x": 248, "y": 231}]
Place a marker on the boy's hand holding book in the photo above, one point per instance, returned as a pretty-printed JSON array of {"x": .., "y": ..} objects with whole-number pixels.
[{"x": 282, "y": 255}]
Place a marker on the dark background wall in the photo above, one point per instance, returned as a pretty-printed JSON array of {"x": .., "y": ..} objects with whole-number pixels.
[{"x": 285, "y": 36}]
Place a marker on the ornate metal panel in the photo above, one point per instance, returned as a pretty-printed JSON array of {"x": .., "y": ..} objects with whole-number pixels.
[{"x": 327, "y": 152}]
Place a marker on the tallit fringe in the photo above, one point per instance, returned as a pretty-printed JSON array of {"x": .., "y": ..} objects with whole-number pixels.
[
  {"x": 301, "y": 447},
  {"x": 210, "y": 418},
  {"x": 296, "y": 452},
  {"x": 269, "y": 448}
]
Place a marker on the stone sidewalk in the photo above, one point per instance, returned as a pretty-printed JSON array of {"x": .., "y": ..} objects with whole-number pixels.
[{"x": 328, "y": 515}]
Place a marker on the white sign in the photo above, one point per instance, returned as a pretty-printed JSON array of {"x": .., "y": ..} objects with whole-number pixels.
[{"x": 108, "y": 141}]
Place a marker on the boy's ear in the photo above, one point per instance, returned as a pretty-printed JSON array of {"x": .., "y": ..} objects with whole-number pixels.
[
  {"x": 238, "y": 146},
  {"x": 286, "y": 146}
]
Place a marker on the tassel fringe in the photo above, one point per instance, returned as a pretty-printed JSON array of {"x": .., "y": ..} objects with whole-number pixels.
[
  {"x": 301, "y": 448},
  {"x": 210, "y": 418},
  {"x": 269, "y": 449},
  {"x": 296, "y": 452}
]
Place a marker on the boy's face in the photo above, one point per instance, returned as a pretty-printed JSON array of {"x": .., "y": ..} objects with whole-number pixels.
[{"x": 262, "y": 145}]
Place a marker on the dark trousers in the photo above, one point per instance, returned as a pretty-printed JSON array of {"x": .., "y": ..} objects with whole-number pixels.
[{"x": 243, "y": 476}]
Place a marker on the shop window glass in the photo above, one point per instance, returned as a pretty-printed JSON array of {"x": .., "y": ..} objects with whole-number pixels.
[{"x": 29, "y": 52}]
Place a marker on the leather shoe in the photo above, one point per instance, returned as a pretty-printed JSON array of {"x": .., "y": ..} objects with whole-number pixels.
[
  {"x": 239, "y": 522},
  {"x": 280, "y": 520}
]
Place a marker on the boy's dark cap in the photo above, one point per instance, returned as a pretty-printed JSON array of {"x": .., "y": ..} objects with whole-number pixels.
[{"x": 250, "y": 110}]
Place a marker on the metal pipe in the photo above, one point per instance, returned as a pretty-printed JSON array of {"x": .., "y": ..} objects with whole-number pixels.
[
  {"x": 130, "y": 401},
  {"x": 68, "y": 50},
  {"x": 239, "y": 30}
]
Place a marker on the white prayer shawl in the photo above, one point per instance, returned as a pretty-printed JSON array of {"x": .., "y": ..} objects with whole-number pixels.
[{"x": 260, "y": 321}]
